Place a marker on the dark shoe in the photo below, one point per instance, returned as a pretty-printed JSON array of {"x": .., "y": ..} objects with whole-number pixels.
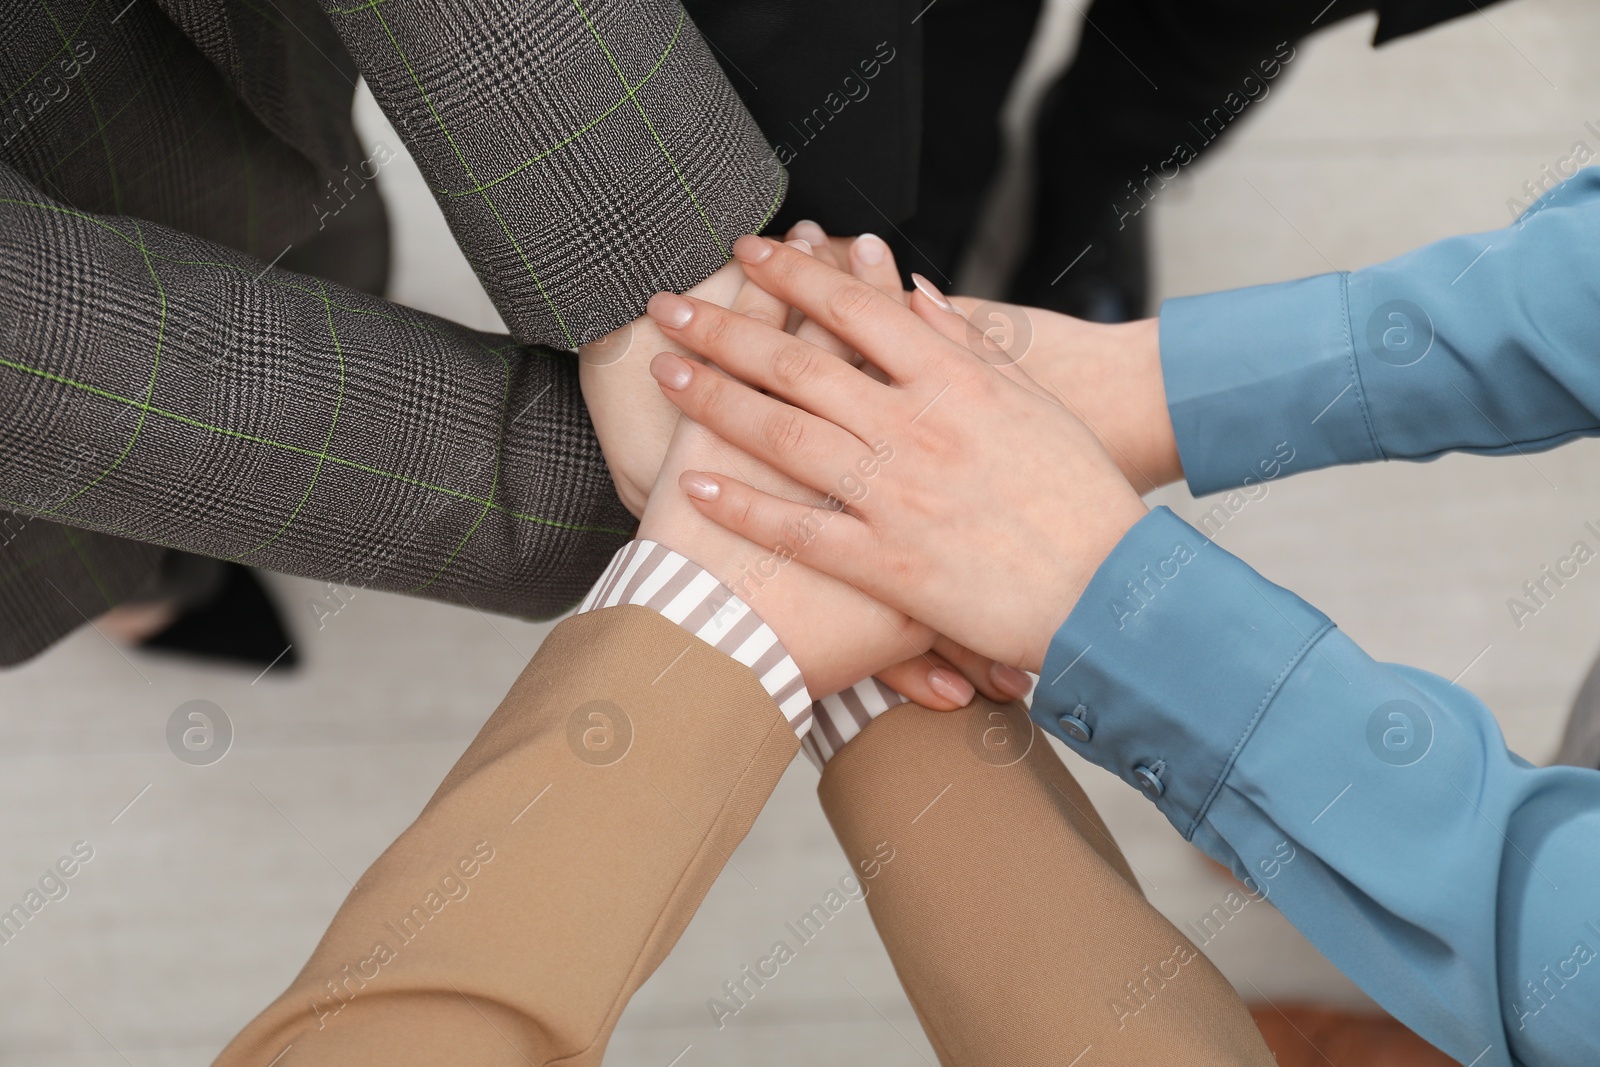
[
  {"x": 237, "y": 622},
  {"x": 1087, "y": 253},
  {"x": 1091, "y": 270}
]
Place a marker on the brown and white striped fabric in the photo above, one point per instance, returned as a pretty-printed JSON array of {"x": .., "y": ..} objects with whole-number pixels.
[
  {"x": 841, "y": 716},
  {"x": 651, "y": 575}
]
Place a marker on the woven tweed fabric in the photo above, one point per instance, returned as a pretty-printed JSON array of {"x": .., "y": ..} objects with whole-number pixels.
[
  {"x": 174, "y": 392},
  {"x": 114, "y": 110},
  {"x": 54, "y": 578},
  {"x": 591, "y": 151},
  {"x": 614, "y": 160}
]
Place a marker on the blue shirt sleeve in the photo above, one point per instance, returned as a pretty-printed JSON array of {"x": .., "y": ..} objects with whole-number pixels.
[
  {"x": 1376, "y": 806},
  {"x": 1483, "y": 343}
]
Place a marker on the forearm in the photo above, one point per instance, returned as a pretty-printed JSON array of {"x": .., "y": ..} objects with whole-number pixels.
[
  {"x": 1375, "y": 805},
  {"x": 1479, "y": 343},
  {"x": 970, "y": 814},
  {"x": 201, "y": 400},
  {"x": 585, "y": 154},
  {"x": 612, "y": 783}
]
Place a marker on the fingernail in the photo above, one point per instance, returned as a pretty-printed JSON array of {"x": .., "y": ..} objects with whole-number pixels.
[
  {"x": 932, "y": 292},
  {"x": 670, "y": 309},
  {"x": 870, "y": 249},
  {"x": 672, "y": 371},
  {"x": 1010, "y": 680},
  {"x": 807, "y": 230},
  {"x": 752, "y": 249},
  {"x": 801, "y": 243},
  {"x": 699, "y": 486},
  {"x": 951, "y": 686}
]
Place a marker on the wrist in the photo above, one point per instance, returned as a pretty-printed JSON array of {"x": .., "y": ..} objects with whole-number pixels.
[
  {"x": 833, "y": 634},
  {"x": 1093, "y": 540},
  {"x": 1114, "y": 382},
  {"x": 1147, "y": 398}
]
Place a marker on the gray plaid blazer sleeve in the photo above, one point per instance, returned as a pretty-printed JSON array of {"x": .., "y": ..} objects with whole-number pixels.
[
  {"x": 174, "y": 392},
  {"x": 586, "y": 153},
  {"x": 585, "y": 157}
]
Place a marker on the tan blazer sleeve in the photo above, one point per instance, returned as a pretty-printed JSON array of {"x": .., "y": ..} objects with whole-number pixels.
[
  {"x": 1011, "y": 916},
  {"x": 555, "y": 867}
]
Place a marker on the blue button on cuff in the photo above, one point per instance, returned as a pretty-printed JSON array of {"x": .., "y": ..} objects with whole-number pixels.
[
  {"x": 1149, "y": 779},
  {"x": 1075, "y": 726}
]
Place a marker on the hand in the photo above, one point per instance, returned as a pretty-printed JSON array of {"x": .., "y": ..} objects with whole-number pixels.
[
  {"x": 636, "y": 425},
  {"x": 1109, "y": 376},
  {"x": 835, "y": 634},
  {"x": 633, "y": 423},
  {"x": 944, "y": 678},
  {"x": 969, "y": 501}
]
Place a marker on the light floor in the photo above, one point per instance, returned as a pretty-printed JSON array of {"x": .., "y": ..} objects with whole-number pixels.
[{"x": 207, "y": 893}]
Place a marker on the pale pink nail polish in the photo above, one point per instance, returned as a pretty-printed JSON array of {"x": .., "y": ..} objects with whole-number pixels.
[
  {"x": 1010, "y": 680},
  {"x": 671, "y": 370},
  {"x": 807, "y": 230},
  {"x": 932, "y": 292},
  {"x": 670, "y": 309},
  {"x": 800, "y": 243},
  {"x": 951, "y": 686},
  {"x": 870, "y": 249},
  {"x": 699, "y": 486},
  {"x": 752, "y": 249}
]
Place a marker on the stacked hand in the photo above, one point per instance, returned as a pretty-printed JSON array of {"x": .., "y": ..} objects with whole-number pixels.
[
  {"x": 987, "y": 505},
  {"x": 836, "y": 634},
  {"x": 1108, "y": 375}
]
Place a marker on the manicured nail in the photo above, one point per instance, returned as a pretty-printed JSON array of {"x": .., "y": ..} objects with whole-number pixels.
[
  {"x": 670, "y": 309},
  {"x": 932, "y": 292},
  {"x": 1010, "y": 680},
  {"x": 807, "y": 230},
  {"x": 951, "y": 686},
  {"x": 802, "y": 244},
  {"x": 699, "y": 486},
  {"x": 870, "y": 249},
  {"x": 672, "y": 371},
  {"x": 752, "y": 249}
]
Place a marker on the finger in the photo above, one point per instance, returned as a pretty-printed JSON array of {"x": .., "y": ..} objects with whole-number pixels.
[
  {"x": 929, "y": 680},
  {"x": 954, "y": 323},
  {"x": 872, "y": 260},
  {"x": 875, "y": 324},
  {"x": 841, "y": 250},
  {"x": 931, "y": 306},
  {"x": 833, "y": 251},
  {"x": 809, "y": 449},
  {"x": 754, "y": 302},
  {"x": 829, "y": 541},
  {"x": 994, "y": 680},
  {"x": 812, "y": 334},
  {"x": 783, "y": 365},
  {"x": 825, "y": 248}
]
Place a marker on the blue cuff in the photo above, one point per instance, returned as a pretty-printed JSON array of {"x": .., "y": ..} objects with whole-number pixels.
[
  {"x": 1262, "y": 382},
  {"x": 1170, "y": 658}
]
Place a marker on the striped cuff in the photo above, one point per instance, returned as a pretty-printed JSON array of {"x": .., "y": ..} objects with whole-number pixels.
[
  {"x": 651, "y": 575},
  {"x": 841, "y": 716}
]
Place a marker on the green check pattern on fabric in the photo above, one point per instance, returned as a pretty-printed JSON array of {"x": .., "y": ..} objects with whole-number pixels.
[
  {"x": 261, "y": 397},
  {"x": 624, "y": 93},
  {"x": 160, "y": 385}
]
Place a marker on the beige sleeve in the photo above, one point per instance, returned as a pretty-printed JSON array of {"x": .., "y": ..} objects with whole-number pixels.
[
  {"x": 1011, "y": 916},
  {"x": 553, "y": 870}
]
